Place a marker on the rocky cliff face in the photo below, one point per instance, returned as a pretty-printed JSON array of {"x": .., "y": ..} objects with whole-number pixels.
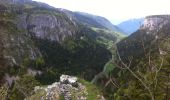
[
  {"x": 38, "y": 43},
  {"x": 54, "y": 26},
  {"x": 155, "y": 22},
  {"x": 151, "y": 33},
  {"x": 146, "y": 53},
  {"x": 15, "y": 42},
  {"x": 34, "y": 33},
  {"x": 18, "y": 27}
]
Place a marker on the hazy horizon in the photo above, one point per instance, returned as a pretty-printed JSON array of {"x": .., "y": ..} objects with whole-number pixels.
[{"x": 114, "y": 10}]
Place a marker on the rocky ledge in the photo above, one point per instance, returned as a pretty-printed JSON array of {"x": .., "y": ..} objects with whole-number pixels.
[
  {"x": 68, "y": 88},
  {"x": 155, "y": 22}
]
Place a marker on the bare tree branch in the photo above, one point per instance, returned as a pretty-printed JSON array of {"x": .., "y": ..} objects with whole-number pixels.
[
  {"x": 144, "y": 84},
  {"x": 157, "y": 71}
]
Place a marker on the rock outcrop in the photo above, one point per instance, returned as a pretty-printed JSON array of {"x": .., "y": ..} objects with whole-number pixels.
[
  {"x": 146, "y": 53},
  {"x": 65, "y": 89},
  {"x": 154, "y": 30},
  {"x": 17, "y": 31},
  {"x": 68, "y": 80},
  {"x": 54, "y": 26},
  {"x": 155, "y": 22}
]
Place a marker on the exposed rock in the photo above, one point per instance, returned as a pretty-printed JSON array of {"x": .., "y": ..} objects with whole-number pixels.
[
  {"x": 33, "y": 72},
  {"x": 154, "y": 30},
  {"x": 155, "y": 22},
  {"x": 68, "y": 80},
  {"x": 52, "y": 25},
  {"x": 64, "y": 88},
  {"x": 28, "y": 28},
  {"x": 10, "y": 79},
  {"x": 16, "y": 32}
]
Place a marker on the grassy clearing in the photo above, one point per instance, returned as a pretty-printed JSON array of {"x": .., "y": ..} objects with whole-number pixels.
[{"x": 92, "y": 90}]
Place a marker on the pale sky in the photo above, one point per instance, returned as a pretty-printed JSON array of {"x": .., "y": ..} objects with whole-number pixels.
[{"x": 114, "y": 10}]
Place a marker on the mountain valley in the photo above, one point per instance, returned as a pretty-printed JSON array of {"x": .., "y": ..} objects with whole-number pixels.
[{"x": 49, "y": 53}]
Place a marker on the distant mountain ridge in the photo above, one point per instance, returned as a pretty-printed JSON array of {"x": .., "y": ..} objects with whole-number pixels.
[
  {"x": 34, "y": 31},
  {"x": 92, "y": 20},
  {"x": 154, "y": 30},
  {"x": 103, "y": 22},
  {"x": 38, "y": 43},
  {"x": 147, "y": 54},
  {"x": 131, "y": 25}
]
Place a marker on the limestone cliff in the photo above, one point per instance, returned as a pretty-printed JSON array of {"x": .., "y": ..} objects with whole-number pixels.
[
  {"x": 33, "y": 32},
  {"x": 54, "y": 26},
  {"x": 146, "y": 53},
  {"x": 19, "y": 24},
  {"x": 154, "y": 30},
  {"x": 155, "y": 22}
]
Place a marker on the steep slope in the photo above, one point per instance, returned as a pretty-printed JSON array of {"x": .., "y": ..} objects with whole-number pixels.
[
  {"x": 99, "y": 22},
  {"x": 39, "y": 43},
  {"x": 154, "y": 30},
  {"x": 144, "y": 58},
  {"x": 131, "y": 25},
  {"x": 34, "y": 33},
  {"x": 106, "y": 35},
  {"x": 92, "y": 20},
  {"x": 43, "y": 23}
]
